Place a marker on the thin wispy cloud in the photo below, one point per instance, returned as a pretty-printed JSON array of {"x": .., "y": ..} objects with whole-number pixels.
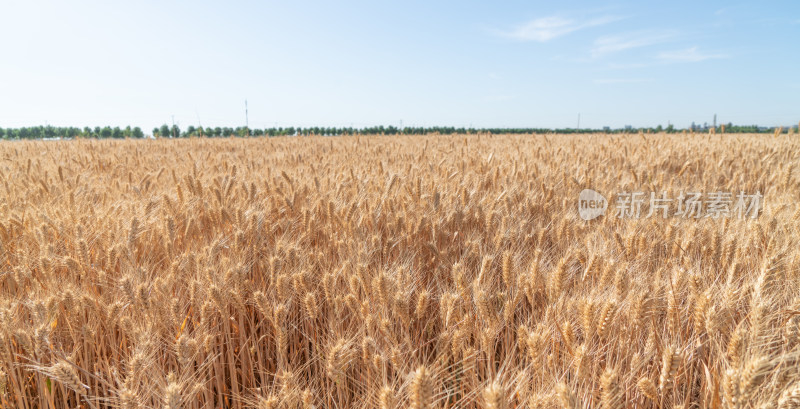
[
  {"x": 498, "y": 98},
  {"x": 545, "y": 29},
  {"x": 622, "y": 80},
  {"x": 692, "y": 54},
  {"x": 627, "y": 66},
  {"x": 613, "y": 44}
]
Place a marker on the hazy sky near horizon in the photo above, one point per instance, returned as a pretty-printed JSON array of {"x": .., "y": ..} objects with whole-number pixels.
[{"x": 425, "y": 63}]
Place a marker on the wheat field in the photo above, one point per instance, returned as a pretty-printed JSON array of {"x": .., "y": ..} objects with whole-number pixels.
[{"x": 395, "y": 272}]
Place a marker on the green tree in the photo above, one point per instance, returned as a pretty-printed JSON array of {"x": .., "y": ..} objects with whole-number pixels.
[{"x": 164, "y": 131}]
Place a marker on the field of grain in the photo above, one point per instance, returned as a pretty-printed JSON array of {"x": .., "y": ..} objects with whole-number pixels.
[{"x": 403, "y": 272}]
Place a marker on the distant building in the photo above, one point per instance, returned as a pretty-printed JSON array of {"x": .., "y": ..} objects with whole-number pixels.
[{"x": 606, "y": 129}]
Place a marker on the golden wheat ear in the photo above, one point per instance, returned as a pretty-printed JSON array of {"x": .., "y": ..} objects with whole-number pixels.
[
  {"x": 386, "y": 398},
  {"x": 566, "y": 398},
  {"x": 421, "y": 389}
]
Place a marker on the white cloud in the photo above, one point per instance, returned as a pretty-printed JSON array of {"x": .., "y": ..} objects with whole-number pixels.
[
  {"x": 614, "y": 44},
  {"x": 627, "y": 66},
  {"x": 545, "y": 29},
  {"x": 688, "y": 55},
  {"x": 622, "y": 80}
]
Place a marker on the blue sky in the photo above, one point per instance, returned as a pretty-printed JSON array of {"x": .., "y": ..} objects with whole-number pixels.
[{"x": 425, "y": 63}]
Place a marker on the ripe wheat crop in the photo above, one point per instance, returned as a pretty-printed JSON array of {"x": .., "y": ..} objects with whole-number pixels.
[{"x": 377, "y": 272}]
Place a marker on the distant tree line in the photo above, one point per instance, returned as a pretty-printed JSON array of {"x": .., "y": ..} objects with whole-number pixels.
[
  {"x": 730, "y": 128},
  {"x": 174, "y": 131},
  {"x": 41, "y": 132}
]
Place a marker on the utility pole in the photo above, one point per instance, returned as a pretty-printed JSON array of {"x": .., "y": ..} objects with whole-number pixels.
[
  {"x": 715, "y": 121},
  {"x": 579, "y": 121},
  {"x": 246, "y": 119},
  {"x": 173, "y": 127}
]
